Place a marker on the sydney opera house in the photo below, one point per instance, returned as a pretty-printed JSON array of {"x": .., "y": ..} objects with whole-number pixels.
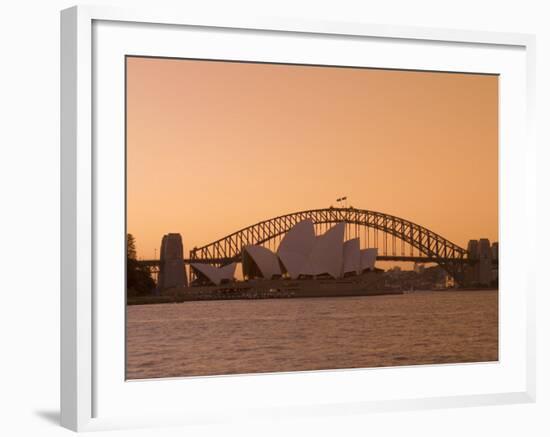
[{"x": 301, "y": 254}]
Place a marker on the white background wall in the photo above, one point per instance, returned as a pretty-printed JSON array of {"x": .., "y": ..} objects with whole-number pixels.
[{"x": 29, "y": 217}]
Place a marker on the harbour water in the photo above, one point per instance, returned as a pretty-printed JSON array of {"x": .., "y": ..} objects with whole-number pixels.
[{"x": 274, "y": 335}]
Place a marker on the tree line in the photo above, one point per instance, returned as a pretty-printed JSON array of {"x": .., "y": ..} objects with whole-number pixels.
[{"x": 139, "y": 280}]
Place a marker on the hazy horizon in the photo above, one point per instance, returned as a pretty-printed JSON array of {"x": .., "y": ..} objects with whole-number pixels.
[{"x": 213, "y": 147}]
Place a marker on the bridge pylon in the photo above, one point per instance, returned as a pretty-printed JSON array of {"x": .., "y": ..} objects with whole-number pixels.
[{"x": 172, "y": 267}]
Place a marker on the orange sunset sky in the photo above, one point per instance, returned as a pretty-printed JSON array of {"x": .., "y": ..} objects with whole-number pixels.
[{"x": 213, "y": 147}]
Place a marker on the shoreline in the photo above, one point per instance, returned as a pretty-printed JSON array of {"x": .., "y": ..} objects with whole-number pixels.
[{"x": 182, "y": 297}]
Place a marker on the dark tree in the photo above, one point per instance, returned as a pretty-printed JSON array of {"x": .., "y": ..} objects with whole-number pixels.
[
  {"x": 131, "y": 247},
  {"x": 139, "y": 281}
]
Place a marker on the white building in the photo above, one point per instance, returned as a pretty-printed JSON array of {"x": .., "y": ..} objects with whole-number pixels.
[
  {"x": 215, "y": 275},
  {"x": 327, "y": 255},
  {"x": 368, "y": 259},
  {"x": 300, "y": 253},
  {"x": 294, "y": 249},
  {"x": 260, "y": 262},
  {"x": 352, "y": 257}
]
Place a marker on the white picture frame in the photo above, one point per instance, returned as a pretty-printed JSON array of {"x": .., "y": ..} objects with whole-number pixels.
[{"x": 91, "y": 391}]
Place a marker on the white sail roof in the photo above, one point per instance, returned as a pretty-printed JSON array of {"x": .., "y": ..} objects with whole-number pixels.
[
  {"x": 352, "y": 257},
  {"x": 294, "y": 249},
  {"x": 216, "y": 275},
  {"x": 264, "y": 259},
  {"x": 327, "y": 254},
  {"x": 368, "y": 258}
]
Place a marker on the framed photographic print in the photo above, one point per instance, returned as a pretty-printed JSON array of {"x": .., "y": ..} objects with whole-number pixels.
[{"x": 272, "y": 218}]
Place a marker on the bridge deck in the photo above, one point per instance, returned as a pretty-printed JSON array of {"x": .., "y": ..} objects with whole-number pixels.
[{"x": 418, "y": 259}]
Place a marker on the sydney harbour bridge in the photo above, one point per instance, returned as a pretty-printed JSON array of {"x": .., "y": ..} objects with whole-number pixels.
[{"x": 396, "y": 238}]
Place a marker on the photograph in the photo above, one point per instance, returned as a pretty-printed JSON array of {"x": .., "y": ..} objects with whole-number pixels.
[{"x": 297, "y": 217}]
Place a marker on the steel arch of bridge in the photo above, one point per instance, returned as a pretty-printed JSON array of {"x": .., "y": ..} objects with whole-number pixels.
[{"x": 430, "y": 244}]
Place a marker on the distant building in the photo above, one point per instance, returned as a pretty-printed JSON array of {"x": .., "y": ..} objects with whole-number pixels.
[
  {"x": 494, "y": 251},
  {"x": 480, "y": 270},
  {"x": 485, "y": 262},
  {"x": 473, "y": 249}
]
